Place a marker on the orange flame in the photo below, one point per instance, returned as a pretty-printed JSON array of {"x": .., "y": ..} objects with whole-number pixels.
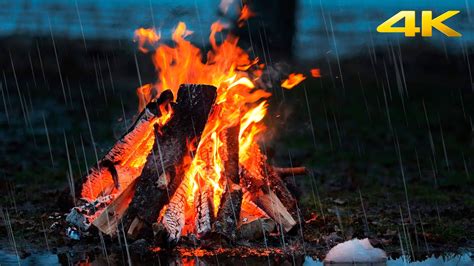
[
  {"x": 316, "y": 73},
  {"x": 144, "y": 37},
  {"x": 292, "y": 80},
  {"x": 245, "y": 14},
  {"x": 239, "y": 102},
  {"x": 136, "y": 147},
  {"x": 145, "y": 95}
]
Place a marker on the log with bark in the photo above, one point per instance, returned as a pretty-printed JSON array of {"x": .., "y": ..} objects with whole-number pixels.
[
  {"x": 141, "y": 181},
  {"x": 116, "y": 169},
  {"x": 264, "y": 196},
  {"x": 285, "y": 172},
  {"x": 107, "y": 222},
  {"x": 279, "y": 187},
  {"x": 258, "y": 175},
  {"x": 254, "y": 222},
  {"x": 115, "y": 174},
  {"x": 229, "y": 210},
  {"x": 189, "y": 117},
  {"x": 168, "y": 229},
  {"x": 204, "y": 212},
  {"x": 269, "y": 202}
]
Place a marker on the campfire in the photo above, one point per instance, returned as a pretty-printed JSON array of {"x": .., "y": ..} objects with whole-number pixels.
[{"x": 191, "y": 165}]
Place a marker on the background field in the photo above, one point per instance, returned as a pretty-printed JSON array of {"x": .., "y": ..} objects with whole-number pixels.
[{"x": 387, "y": 130}]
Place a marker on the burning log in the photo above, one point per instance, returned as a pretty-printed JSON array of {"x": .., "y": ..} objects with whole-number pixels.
[
  {"x": 229, "y": 209},
  {"x": 231, "y": 162},
  {"x": 229, "y": 212},
  {"x": 259, "y": 175},
  {"x": 269, "y": 202},
  {"x": 112, "y": 181},
  {"x": 189, "y": 118},
  {"x": 146, "y": 181},
  {"x": 168, "y": 230},
  {"x": 121, "y": 165},
  {"x": 254, "y": 222},
  {"x": 107, "y": 221},
  {"x": 204, "y": 212},
  {"x": 278, "y": 186},
  {"x": 291, "y": 171},
  {"x": 265, "y": 198}
]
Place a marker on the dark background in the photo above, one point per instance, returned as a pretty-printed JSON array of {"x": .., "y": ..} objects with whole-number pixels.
[{"x": 387, "y": 129}]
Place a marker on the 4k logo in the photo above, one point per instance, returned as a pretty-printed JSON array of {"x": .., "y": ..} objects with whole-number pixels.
[{"x": 427, "y": 24}]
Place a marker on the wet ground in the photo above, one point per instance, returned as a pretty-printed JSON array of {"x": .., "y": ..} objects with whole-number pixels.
[
  {"x": 387, "y": 133},
  {"x": 48, "y": 258}
]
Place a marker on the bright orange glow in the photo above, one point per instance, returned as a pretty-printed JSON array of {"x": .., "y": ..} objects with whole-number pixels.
[
  {"x": 245, "y": 14},
  {"x": 130, "y": 161},
  {"x": 292, "y": 80},
  {"x": 239, "y": 103},
  {"x": 316, "y": 73},
  {"x": 146, "y": 37},
  {"x": 144, "y": 94},
  {"x": 249, "y": 210}
]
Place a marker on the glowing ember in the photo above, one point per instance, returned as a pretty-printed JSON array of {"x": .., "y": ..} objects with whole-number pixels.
[
  {"x": 233, "y": 73},
  {"x": 212, "y": 169},
  {"x": 292, "y": 80},
  {"x": 316, "y": 73},
  {"x": 245, "y": 14}
]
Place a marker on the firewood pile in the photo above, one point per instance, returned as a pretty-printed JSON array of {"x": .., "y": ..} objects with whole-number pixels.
[{"x": 143, "y": 185}]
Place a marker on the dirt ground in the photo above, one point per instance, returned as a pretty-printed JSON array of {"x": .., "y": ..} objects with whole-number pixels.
[{"x": 389, "y": 144}]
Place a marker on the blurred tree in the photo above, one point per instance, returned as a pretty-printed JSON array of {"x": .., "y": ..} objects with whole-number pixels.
[{"x": 271, "y": 31}]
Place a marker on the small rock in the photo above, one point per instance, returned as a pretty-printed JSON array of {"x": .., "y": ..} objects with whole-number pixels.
[
  {"x": 339, "y": 201},
  {"x": 390, "y": 232},
  {"x": 140, "y": 247},
  {"x": 73, "y": 233},
  {"x": 332, "y": 239}
]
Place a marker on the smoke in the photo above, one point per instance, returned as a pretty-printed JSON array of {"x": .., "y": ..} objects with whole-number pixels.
[{"x": 224, "y": 5}]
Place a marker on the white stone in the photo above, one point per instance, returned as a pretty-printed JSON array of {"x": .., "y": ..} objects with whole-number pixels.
[{"x": 355, "y": 250}]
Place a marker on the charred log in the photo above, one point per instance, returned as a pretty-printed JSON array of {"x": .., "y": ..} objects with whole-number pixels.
[
  {"x": 187, "y": 122},
  {"x": 107, "y": 221},
  {"x": 204, "y": 212},
  {"x": 263, "y": 195},
  {"x": 135, "y": 228},
  {"x": 278, "y": 186},
  {"x": 257, "y": 174},
  {"x": 290, "y": 171},
  {"x": 229, "y": 212},
  {"x": 231, "y": 153},
  {"x": 229, "y": 209},
  {"x": 254, "y": 222},
  {"x": 172, "y": 222},
  {"x": 269, "y": 202},
  {"x": 104, "y": 178}
]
